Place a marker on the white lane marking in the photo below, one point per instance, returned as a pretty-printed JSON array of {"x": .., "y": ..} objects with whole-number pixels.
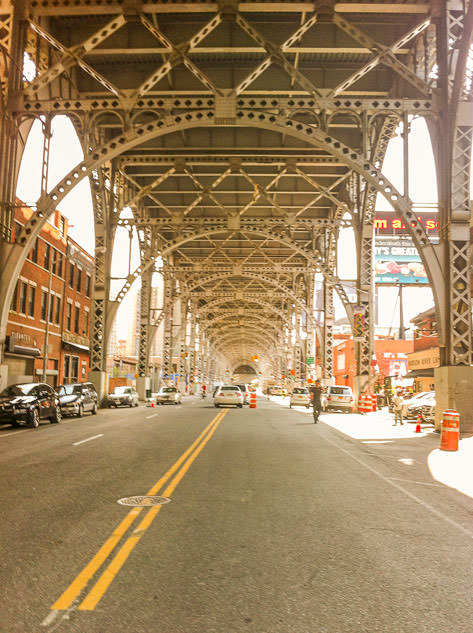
[
  {"x": 152, "y": 416},
  {"x": 13, "y": 433},
  {"x": 94, "y": 437},
  {"x": 49, "y": 619},
  {"x": 412, "y": 481},
  {"x": 389, "y": 481}
]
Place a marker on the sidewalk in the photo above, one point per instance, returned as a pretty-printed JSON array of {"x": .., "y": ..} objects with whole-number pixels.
[{"x": 451, "y": 468}]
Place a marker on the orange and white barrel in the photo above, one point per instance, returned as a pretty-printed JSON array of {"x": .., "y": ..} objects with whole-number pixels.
[
  {"x": 364, "y": 404},
  {"x": 450, "y": 430},
  {"x": 253, "y": 404},
  {"x": 374, "y": 402}
]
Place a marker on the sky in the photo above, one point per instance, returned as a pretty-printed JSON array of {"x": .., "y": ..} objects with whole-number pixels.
[{"x": 66, "y": 152}]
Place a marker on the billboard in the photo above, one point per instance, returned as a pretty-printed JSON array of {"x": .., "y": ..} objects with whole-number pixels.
[
  {"x": 397, "y": 262},
  {"x": 386, "y": 223}
]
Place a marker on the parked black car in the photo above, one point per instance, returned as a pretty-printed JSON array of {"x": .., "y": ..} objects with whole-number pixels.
[
  {"x": 77, "y": 398},
  {"x": 28, "y": 403}
]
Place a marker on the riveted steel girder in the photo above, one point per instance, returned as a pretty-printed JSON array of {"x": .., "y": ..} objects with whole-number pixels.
[{"x": 239, "y": 155}]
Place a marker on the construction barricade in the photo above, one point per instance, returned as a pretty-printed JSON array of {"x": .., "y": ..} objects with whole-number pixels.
[
  {"x": 450, "y": 430},
  {"x": 364, "y": 403},
  {"x": 374, "y": 402},
  {"x": 253, "y": 404}
]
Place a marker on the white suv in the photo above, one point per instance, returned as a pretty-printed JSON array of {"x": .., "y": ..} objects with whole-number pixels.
[
  {"x": 338, "y": 397},
  {"x": 245, "y": 393}
]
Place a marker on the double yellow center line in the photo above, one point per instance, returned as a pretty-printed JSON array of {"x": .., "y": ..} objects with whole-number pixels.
[{"x": 71, "y": 595}]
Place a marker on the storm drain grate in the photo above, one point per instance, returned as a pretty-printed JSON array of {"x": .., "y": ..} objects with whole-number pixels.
[{"x": 143, "y": 501}]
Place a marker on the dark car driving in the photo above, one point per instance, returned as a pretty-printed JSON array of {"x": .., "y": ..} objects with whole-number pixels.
[
  {"x": 78, "y": 398},
  {"x": 28, "y": 403}
]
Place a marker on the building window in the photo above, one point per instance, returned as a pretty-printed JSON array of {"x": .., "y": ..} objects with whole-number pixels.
[
  {"x": 31, "y": 301},
  {"x": 33, "y": 256},
  {"x": 79, "y": 280},
  {"x": 47, "y": 256},
  {"x": 67, "y": 367},
  {"x": 69, "y": 317},
  {"x": 59, "y": 263},
  {"x": 23, "y": 289},
  {"x": 71, "y": 275},
  {"x": 71, "y": 368},
  {"x": 44, "y": 303},
  {"x": 88, "y": 280},
  {"x": 14, "y": 300},
  {"x": 57, "y": 311},
  {"x": 76, "y": 319},
  {"x": 86, "y": 323},
  {"x": 74, "y": 368}
]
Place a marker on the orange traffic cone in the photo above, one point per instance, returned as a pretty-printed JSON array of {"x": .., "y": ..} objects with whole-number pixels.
[{"x": 418, "y": 424}]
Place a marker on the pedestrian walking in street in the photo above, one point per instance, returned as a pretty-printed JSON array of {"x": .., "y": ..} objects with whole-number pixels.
[
  {"x": 316, "y": 397},
  {"x": 398, "y": 403}
]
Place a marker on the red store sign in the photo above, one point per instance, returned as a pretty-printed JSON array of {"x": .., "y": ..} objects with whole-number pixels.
[{"x": 388, "y": 224}]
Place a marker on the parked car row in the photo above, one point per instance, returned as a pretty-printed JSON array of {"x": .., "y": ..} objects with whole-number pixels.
[{"x": 26, "y": 404}]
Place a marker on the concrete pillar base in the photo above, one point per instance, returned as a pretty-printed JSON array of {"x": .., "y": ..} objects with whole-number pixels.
[
  {"x": 142, "y": 384},
  {"x": 360, "y": 384},
  {"x": 3, "y": 377},
  {"x": 454, "y": 390},
  {"x": 100, "y": 382}
]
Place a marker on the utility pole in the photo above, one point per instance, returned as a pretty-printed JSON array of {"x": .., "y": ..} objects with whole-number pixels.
[
  {"x": 48, "y": 314},
  {"x": 402, "y": 331}
]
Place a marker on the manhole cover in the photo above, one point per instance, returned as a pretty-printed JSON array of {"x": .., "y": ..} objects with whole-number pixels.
[{"x": 143, "y": 501}]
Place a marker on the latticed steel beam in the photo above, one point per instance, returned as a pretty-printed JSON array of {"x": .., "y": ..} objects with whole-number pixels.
[{"x": 340, "y": 144}]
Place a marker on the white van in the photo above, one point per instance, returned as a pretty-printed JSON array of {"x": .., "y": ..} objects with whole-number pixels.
[{"x": 338, "y": 397}]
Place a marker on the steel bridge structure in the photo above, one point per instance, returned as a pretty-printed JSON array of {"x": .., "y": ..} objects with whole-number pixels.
[{"x": 243, "y": 136}]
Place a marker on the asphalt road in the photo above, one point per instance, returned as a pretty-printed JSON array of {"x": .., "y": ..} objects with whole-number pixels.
[{"x": 274, "y": 525}]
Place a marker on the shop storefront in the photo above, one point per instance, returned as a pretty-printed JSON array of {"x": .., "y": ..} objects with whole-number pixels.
[
  {"x": 20, "y": 354},
  {"x": 421, "y": 368},
  {"x": 75, "y": 358}
]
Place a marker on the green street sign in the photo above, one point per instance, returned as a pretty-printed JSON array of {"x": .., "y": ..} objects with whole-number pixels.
[{"x": 309, "y": 360}]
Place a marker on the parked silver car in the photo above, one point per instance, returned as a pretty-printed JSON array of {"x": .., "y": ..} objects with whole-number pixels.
[
  {"x": 300, "y": 397},
  {"x": 338, "y": 397},
  {"x": 413, "y": 407},
  {"x": 428, "y": 409},
  {"x": 123, "y": 396},
  {"x": 168, "y": 395},
  {"x": 76, "y": 399}
]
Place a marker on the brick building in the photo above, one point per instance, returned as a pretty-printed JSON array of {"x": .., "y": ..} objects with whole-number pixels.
[
  {"x": 426, "y": 354},
  {"x": 391, "y": 360},
  {"x": 49, "y": 320}
]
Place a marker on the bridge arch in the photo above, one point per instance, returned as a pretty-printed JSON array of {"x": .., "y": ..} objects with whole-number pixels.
[{"x": 247, "y": 118}]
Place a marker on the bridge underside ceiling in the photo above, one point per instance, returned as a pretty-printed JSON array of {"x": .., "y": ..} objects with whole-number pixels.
[{"x": 237, "y": 212}]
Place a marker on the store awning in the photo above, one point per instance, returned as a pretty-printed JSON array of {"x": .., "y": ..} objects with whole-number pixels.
[
  {"x": 23, "y": 350},
  {"x": 421, "y": 373},
  {"x": 76, "y": 345}
]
